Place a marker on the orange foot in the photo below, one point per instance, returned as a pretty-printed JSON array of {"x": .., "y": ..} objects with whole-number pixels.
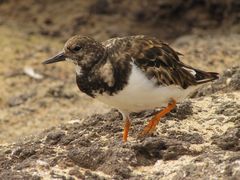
[
  {"x": 150, "y": 128},
  {"x": 126, "y": 129}
]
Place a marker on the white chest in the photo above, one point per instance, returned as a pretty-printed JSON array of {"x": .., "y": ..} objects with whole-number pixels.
[{"x": 140, "y": 94}]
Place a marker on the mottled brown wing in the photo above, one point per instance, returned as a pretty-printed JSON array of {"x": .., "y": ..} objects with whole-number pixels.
[{"x": 161, "y": 64}]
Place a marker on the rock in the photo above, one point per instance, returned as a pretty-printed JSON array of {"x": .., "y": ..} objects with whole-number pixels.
[
  {"x": 228, "y": 109},
  {"x": 230, "y": 140},
  {"x": 183, "y": 110},
  {"x": 228, "y": 82},
  {"x": 18, "y": 175},
  {"x": 75, "y": 172},
  {"x": 87, "y": 157},
  {"x": 92, "y": 148},
  {"x": 54, "y": 137},
  {"x": 235, "y": 81}
]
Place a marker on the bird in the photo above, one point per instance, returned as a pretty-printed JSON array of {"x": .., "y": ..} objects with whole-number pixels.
[{"x": 132, "y": 74}]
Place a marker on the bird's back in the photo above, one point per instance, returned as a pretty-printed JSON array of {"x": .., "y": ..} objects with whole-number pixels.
[{"x": 157, "y": 60}]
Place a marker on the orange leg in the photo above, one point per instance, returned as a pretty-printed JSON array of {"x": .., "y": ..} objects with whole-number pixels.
[
  {"x": 150, "y": 128},
  {"x": 126, "y": 129}
]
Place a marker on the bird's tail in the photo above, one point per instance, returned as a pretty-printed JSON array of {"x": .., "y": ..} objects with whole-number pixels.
[{"x": 204, "y": 77}]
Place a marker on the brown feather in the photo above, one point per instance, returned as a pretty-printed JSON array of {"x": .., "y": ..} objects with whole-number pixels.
[
  {"x": 157, "y": 60},
  {"x": 161, "y": 63}
]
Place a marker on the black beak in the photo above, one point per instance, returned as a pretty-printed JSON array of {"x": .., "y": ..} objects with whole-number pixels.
[{"x": 59, "y": 57}]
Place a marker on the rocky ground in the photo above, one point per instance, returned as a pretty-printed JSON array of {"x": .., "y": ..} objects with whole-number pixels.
[
  {"x": 198, "y": 140},
  {"x": 49, "y": 130}
]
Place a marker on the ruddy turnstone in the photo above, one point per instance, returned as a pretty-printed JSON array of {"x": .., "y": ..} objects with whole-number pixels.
[{"x": 132, "y": 74}]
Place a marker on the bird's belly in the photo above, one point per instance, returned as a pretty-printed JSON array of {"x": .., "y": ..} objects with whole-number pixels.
[
  {"x": 143, "y": 98},
  {"x": 141, "y": 94}
]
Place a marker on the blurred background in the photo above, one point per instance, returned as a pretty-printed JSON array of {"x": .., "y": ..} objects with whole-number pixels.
[{"x": 35, "y": 97}]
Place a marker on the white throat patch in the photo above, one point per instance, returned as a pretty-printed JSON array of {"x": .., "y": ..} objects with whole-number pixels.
[{"x": 78, "y": 70}]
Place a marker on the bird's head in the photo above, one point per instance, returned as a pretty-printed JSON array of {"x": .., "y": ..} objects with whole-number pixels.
[{"x": 81, "y": 50}]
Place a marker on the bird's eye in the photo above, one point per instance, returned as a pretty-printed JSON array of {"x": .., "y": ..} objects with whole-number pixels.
[{"x": 77, "y": 48}]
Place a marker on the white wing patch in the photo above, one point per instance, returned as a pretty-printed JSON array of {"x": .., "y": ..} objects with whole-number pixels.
[{"x": 191, "y": 71}]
